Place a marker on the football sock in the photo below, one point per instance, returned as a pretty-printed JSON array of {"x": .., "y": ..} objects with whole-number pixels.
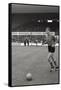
[
  {"x": 54, "y": 62},
  {"x": 51, "y": 65}
]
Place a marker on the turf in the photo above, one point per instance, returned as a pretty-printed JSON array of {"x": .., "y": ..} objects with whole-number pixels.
[{"x": 34, "y": 60}]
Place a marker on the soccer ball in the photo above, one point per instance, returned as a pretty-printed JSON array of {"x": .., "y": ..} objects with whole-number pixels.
[{"x": 29, "y": 76}]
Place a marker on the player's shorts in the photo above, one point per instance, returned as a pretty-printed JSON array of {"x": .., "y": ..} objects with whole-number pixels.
[{"x": 51, "y": 49}]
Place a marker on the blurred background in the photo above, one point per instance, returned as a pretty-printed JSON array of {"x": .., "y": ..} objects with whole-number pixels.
[{"x": 30, "y": 23}]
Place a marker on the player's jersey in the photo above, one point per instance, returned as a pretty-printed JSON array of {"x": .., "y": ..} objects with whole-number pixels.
[{"x": 50, "y": 40}]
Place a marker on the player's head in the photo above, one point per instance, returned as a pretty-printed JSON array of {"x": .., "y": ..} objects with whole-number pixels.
[{"x": 47, "y": 30}]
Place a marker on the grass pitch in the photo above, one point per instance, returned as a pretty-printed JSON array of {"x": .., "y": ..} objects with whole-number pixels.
[{"x": 32, "y": 60}]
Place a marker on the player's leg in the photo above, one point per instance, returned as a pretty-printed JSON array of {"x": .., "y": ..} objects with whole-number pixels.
[
  {"x": 24, "y": 43},
  {"x": 50, "y": 58},
  {"x": 54, "y": 61},
  {"x": 50, "y": 61},
  {"x": 28, "y": 43}
]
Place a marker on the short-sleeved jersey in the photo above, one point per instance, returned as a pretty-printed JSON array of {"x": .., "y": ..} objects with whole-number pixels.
[{"x": 50, "y": 40}]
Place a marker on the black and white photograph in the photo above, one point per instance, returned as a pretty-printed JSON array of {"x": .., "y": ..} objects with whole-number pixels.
[{"x": 34, "y": 44}]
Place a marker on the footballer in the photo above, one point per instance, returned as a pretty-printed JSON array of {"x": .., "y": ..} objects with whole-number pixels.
[{"x": 51, "y": 41}]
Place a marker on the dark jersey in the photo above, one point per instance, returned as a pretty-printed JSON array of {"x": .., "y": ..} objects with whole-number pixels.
[{"x": 50, "y": 40}]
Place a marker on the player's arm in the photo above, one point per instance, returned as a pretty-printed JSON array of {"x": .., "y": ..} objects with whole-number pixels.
[
  {"x": 53, "y": 41},
  {"x": 44, "y": 42}
]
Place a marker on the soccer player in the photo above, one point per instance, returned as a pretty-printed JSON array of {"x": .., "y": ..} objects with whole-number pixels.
[
  {"x": 36, "y": 41},
  {"x": 26, "y": 41},
  {"x": 50, "y": 39}
]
